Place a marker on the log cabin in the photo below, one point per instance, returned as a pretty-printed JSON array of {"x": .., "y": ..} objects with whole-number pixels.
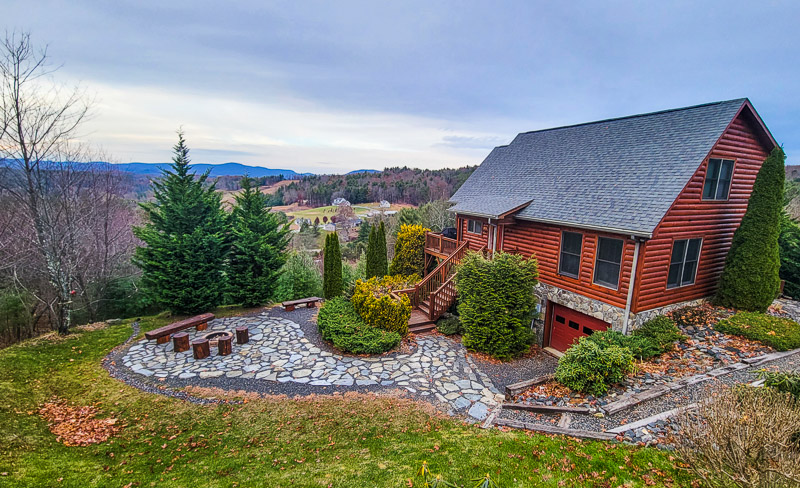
[{"x": 628, "y": 218}]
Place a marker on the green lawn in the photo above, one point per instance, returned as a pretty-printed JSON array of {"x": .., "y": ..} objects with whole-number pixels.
[{"x": 354, "y": 440}]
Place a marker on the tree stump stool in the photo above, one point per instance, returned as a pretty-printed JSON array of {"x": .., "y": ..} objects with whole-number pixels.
[
  {"x": 242, "y": 334},
  {"x": 202, "y": 326},
  {"x": 200, "y": 348},
  {"x": 180, "y": 342},
  {"x": 225, "y": 345}
]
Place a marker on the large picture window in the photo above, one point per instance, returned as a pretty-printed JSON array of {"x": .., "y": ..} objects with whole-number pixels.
[
  {"x": 570, "y": 262},
  {"x": 718, "y": 179},
  {"x": 683, "y": 265},
  {"x": 608, "y": 262},
  {"x": 474, "y": 227}
]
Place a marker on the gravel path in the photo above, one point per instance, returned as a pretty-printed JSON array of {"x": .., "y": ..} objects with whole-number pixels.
[
  {"x": 285, "y": 355},
  {"x": 503, "y": 374}
]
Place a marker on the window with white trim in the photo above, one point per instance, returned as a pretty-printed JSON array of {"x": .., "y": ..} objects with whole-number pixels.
[
  {"x": 608, "y": 262},
  {"x": 718, "y": 179},
  {"x": 683, "y": 264},
  {"x": 570, "y": 262},
  {"x": 474, "y": 226}
]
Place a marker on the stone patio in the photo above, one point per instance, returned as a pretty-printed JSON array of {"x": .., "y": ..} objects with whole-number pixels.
[{"x": 439, "y": 370}]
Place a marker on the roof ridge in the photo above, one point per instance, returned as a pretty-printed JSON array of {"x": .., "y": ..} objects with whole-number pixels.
[{"x": 613, "y": 119}]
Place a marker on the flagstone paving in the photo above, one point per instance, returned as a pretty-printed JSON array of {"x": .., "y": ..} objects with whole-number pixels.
[{"x": 439, "y": 370}]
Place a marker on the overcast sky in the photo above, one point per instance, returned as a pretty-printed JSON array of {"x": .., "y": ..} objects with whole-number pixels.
[{"x": 334, "y": 86}]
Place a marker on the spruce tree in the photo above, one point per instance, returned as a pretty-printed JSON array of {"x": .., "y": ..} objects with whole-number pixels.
[
  {"x": 186, "y": 239},
  {"x": 383, "y": 257},
  {"x": 332, "y": 266},
  {"x": 259, "y": 240},
  {"x": 376, "y": 252},
  {"x": 750, "y": 278}
]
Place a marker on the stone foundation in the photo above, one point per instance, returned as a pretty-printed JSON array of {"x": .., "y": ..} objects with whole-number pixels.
[{"x": 594, "y": 308}]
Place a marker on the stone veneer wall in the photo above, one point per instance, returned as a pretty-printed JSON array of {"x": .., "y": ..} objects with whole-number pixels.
[{"x": 599, "y": 310}]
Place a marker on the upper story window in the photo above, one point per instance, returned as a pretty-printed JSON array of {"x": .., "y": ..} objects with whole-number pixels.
[
  {"x": 570, "y": 262},
  {"x": 474, "y": 227},
  {"x": 608, "y": 262},
  {"x": 718, "y": 179},
  {"x": 683, "y": 265}
]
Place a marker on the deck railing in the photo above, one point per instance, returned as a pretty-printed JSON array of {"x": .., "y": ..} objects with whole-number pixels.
[
  {"x": 440, "y": 244},
  {"x": 438, "y": 285}
]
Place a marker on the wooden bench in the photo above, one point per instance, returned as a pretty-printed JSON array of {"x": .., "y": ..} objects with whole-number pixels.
[
  {"x": 161, "y": 335},
  {"x": 310, "y": 302}
]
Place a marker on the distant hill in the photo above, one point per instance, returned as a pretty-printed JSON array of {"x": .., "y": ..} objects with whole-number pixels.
[
  {"x": 355, "y": 172},
  {"x": 225, "y": 169}
]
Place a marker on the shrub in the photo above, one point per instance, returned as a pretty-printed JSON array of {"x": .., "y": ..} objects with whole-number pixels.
[
  {"x": 450, "y": 325},
  {"x": 742, "y": 437},
  {"x": 789, "y": 244},
  {"x": 374, "y": 304},
  {"x": 299, "y": 278},
  {"x": 640, "y": 347},
  {"x": 777, "y": 332},
  {"x": 588, "y": 367},
  {"x": 332, "y": 267},
  {"x": 782, "y": 381},
  {"x": 377, "y": 260},
  {"x": 660, "y": 332},
  {"x": 340, "y": 324},
  {"x": 409, "y": 250},
  {"x": 352, "y": 273},
  {"x": 750, "y": 279},
  {"x": 497, "y": 303}
]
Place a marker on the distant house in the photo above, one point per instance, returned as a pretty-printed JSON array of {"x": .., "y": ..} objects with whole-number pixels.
[
  {"x": 329, "y": 227},
  {"x": 340, "y": 201},
  {"x": 385, "y": 204},
  {"x": 628, "y": 218}
]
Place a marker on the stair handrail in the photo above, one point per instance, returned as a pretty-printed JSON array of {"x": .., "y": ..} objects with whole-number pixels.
[
  {"x": 434, "y": 312},
  {"x": 442, "y": 272}
]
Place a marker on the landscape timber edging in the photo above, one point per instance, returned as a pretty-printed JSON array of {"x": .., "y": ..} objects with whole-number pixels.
[
  {"x": 516, "y": 388},
  {"x": 551, "y": 429},
  {"x": 651, "y": 393},
  {"x": 547, "y": 408}
]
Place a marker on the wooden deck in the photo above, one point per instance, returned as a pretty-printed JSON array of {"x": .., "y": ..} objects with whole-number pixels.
[{"x": 439, "y": 246}]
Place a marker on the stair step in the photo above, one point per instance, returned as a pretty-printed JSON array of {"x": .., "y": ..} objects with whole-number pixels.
[
  {"x": 425, "y": 307},
  {"x": 419, "y": 329}
]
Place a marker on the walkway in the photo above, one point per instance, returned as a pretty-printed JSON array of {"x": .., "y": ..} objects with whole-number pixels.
[{"x": 280, "y": 353}]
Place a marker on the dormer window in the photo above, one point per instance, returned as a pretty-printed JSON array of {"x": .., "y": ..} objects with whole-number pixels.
[{"x": 718, "y": 179}]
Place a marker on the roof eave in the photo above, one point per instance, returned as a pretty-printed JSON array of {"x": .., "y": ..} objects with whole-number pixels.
[{"x": 599, "y": 228}]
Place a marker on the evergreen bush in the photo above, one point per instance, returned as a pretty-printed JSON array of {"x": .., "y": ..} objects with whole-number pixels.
[
  {"x": 750, "y": 279},
  {"x": 340, "y": 324},
  {"x": 332, "y": 267},
  {"x": 789, "y": 245},
  {"x": 186, "y": 240},
  {"x": 409, "y": 250},
  {"x": 259, "y": 239},
  {"x": 375, "y": 305},
  {"x": 777, "y": 332},
  {"x": 450, "y": 325},
  {"x": 496, "y": 303},
  {"x": 588, "y": 367},
  {"x": 299, "y": 278},
  {"x": 661, "y": 332}
]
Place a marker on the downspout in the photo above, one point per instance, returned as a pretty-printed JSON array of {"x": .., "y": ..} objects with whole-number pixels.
[{"x": 631, "y": 286}]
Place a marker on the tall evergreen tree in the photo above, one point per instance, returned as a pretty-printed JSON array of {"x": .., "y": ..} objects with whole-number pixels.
[
  {"x": 376, "y": 252},
  {"x": 332, "y": 267},
  {"x": 186, "y": 241},
  {"x": 259, "y": 240},
  {"x": 750, "y": 279}
]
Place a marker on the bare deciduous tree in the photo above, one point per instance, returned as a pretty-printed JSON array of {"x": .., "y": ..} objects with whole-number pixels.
[{"x": 73, "y": 221}]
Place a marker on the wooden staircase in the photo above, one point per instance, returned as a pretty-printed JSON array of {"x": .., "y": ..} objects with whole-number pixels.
[{"x": 435, "y": 293}]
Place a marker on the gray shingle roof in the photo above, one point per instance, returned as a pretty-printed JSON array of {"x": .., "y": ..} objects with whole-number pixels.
[{"x": 619, "y": 174}]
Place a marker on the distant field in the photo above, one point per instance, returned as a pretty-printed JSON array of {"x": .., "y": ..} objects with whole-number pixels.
[
  {"x": 361, "y": 210},
  {"x": 227, "y": 195}
]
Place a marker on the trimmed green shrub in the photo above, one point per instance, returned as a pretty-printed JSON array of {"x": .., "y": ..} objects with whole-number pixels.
[
  {"x": 750, "y": 278},
  {"x": 661, "y": 332},
  {"x": 590, "y": 368},
  {"x": 374, "y": 304},
  {"x": 789, "y": 245},
  {"x": 777, "y": 332},
  {"x": 377, "y": 260},
  {"x": 450, "y": 325},
  {"x": 299, "y": 278},
  {"x": 640, "y": 347},
  {"x": 332, "y": 267},
  {"x": 497, "y": 303},
  {"x": 339, "y": 323},
  {"x": 409, "y": 251}
]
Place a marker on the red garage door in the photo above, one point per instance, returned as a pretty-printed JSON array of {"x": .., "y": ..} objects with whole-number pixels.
[{"x": 568, "y": 325}]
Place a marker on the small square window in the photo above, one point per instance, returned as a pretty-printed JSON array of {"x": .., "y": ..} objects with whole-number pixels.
[
  {"x": 718, "y": 179},
  {"x": 474, "y": 227},
  {"x": 574, "y": 325},
  {"x": 560, "y": 319}
]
